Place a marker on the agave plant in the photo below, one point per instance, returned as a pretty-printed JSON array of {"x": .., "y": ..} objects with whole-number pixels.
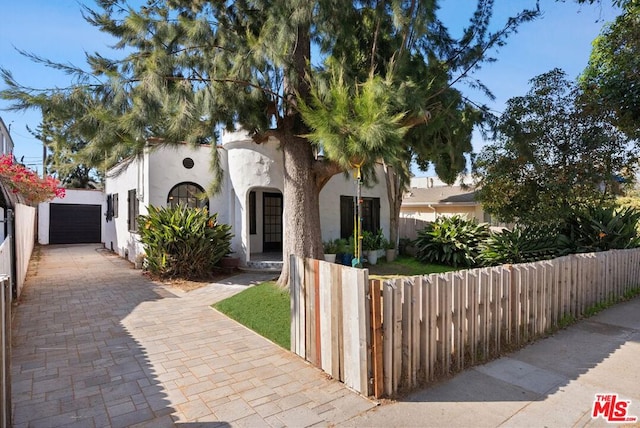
[
  {"x": 601, "y": 228},
  {"x": 522, "y": 244},
  {"x": 183, "y": 242},
  {"x": 451, "y": 241}
]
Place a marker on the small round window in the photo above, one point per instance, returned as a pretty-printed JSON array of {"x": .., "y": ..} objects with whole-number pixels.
[
  {"x": 187, "y": 163},
  {"x": 189, "y": 194}
]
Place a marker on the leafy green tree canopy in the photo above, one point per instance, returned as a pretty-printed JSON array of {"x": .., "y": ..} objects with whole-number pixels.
[
  {"x": 611, "y": 81},
  {"x": 550, "y": 155}
]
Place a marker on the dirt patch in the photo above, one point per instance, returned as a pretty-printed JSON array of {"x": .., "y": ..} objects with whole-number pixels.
[{"x": 187, "y": 285}]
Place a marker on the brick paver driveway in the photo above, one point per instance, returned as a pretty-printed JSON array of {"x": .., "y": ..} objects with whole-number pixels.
[{"x": 96, "y": 344}]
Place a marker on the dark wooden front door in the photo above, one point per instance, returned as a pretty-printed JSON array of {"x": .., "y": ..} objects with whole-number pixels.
[{"x": 272, "y": 222}]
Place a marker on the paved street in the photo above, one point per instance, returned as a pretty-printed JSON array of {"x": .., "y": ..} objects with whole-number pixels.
[{"x": 96, "y": 344}]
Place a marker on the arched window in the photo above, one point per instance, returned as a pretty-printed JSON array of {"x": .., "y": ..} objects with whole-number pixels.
[{"x": 189, "y": 194}]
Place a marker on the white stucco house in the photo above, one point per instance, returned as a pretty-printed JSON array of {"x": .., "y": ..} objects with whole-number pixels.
[{"x": 250, "y": 200}]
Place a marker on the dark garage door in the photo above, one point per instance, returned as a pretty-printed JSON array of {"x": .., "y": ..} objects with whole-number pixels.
[{"x": 74, "y": 224}]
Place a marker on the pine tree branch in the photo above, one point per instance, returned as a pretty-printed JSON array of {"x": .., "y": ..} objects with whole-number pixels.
[
  {"x": 238, "y": 82},
  {"x": 511, "y": 24}
]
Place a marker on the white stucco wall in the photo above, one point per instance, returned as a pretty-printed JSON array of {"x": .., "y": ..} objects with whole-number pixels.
[
  {"x": 431, "y": 212},
  {"x": 339, "y": 185},
  {"x": 72, "y": 196},
  {"x": 257, "y": 167},
  {"x": 165, "y": 170},
  {"x": 153, "y": 176},
  {"x": 117, "y": 235},
  {"x": 247, "y": 167}
]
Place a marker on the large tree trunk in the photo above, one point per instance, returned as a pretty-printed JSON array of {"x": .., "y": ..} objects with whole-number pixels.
[
  {"x": 395, "y": 191},
  {"x": 302, "y": 232}
]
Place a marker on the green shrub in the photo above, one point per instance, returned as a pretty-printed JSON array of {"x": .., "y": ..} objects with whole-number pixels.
[
  {"x": 600, "y": 228},
  {"x": 183, "y": 242},
  {"x": 521, "y": 245},
  {"x": 334, "y": 246},
  {"x": 372, "y": 241},
  {"x": 452, "y": 241},
  {"x": 404, "y": 244}
]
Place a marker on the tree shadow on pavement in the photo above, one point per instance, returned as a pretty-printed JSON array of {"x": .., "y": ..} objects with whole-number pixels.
[{"x": 74, "y": 363}]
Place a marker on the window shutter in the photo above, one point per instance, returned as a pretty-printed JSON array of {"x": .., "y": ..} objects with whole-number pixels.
[{"x": 109, "y": 207}]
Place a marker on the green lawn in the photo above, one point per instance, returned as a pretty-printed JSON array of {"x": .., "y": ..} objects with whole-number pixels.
[
  {"x": 263, "y": 308},
  {"x": 404, "y": 266}
]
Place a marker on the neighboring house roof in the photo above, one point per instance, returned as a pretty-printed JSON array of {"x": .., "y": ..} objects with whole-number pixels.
[{"x": 441, "y": 195}]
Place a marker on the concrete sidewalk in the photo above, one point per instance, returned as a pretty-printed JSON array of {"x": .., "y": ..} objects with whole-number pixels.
[
  {"x": 551, "y": 383},
  {"x": 96, "y": 344}
]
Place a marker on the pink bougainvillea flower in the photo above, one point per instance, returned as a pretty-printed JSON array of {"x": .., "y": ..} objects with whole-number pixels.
[{"x": 27, "y": 183}]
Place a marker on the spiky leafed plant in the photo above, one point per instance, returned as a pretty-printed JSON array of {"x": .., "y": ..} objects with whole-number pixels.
[
  {"x": 521, "y": 244},
  {"x": 183, "y": 242},
  {"x": 453, "y": 241},
  {"x": 600, "y": 228}
]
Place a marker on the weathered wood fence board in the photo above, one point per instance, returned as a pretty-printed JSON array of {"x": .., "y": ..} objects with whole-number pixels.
[
  {"x": 330, "y": 319},
  {"x": 380, "y": 337},
  {"x": 467, "y": 317}
]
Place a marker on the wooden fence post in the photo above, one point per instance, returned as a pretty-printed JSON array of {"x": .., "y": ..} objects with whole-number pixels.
[
  {"x": 397, "y": 334},
  {"x": 458, "y": 319},
  {"x": 407, "y": 333},
  {"x": 496, "y": 298},
  {"x": 415, "y": 328},
  {"x": 376, "y": 338},
  {"x": 388, "y": 339},
  {"x": 472, "y": 293},
  {"x": 432, "y": 320},
  {"x": 356, "y": 326}
]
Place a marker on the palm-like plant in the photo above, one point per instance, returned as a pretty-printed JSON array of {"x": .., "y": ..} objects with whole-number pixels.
[
  {"x": 183, "y": 242},
  {"x": 452, "y": 241}
]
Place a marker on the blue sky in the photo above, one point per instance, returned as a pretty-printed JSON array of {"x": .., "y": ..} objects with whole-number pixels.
[{"x": 56, "y": 30}]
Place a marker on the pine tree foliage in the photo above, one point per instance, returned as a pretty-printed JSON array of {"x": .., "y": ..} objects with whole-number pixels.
[
  {"x": 356, "y": 125},
  {"x": 192, "y": 65},
  {"x": 189, "y": 67}
]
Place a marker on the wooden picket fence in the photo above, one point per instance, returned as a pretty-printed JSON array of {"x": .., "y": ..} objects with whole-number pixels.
[
  {"x": 397, "y": 334},
  {"x": 330, "y": 316}
]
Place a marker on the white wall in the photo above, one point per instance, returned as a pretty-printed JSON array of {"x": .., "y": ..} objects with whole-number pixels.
[
  {"x": 165, "y": 170},
  {"x": 117, "y": 236},
  {"x": 72, "y": 196},
  {"x": 339, "y": 185},
  {"x": 6, "y": 143},
  {"x": 153, "y": 175},
  {"x": 25, "y": 223},
  {"x": 251, "y": 166},
  {"x": 247, "y": 166},
  {"x": 431, "y": 212}
]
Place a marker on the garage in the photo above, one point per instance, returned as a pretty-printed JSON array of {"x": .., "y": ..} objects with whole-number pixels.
[{"x": 75, "y": 223}]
